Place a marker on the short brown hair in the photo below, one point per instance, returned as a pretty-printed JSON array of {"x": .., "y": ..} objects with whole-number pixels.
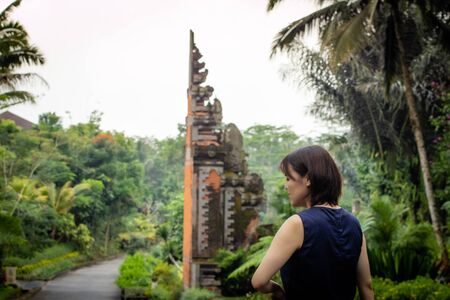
[{"x": 317, "y": 163}]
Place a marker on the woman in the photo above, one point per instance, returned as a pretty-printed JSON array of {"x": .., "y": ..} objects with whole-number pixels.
[{"x": 321, "y": 251}]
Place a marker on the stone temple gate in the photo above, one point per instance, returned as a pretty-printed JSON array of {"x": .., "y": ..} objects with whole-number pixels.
[{"x": 221, "y": 199}]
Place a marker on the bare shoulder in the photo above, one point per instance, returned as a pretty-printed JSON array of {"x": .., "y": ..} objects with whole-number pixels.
[
  {"x": 292, "y": 231},
  {"x": 293, "y": 225},
  {"x": 294, "y": 222}
]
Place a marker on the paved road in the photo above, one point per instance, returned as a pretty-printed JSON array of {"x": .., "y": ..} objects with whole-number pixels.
[{"x": 90, "y": 283}]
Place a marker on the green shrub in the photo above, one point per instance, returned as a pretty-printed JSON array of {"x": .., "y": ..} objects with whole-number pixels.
[
  {"x": 49, "y": 268},
  {"x": 45, "y": 254},
  {"x": 237, "y": 268},
  {"x": 197, "y": 294},
  {"x": 159, "y": 279},
  {"x": 166, "y": 282},
  {"x": 49, "y": 271},
  {"x": 46, "y": 264},
  {"x": 9, "y": 292},
  {"x": 136, "y": 271},
  {"x": 238, "y": 284},
  {"x": 421, "y": 288},
  {"x": 259, "y": 296},
  {"x": 398, "y": 250}
]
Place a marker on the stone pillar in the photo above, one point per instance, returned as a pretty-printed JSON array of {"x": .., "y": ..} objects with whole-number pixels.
[
  {"x": 188, "y": 183},
  {"x": 221, "y": 201}
]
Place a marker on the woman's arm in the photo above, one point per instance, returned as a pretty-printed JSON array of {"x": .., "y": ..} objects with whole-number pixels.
[
  {"x": 288, "y": 239},
  {"x": 363, "y": 274}
]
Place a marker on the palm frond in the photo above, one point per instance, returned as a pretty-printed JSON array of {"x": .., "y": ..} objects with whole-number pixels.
[
  {"x": 10, "y": 81},
  {"x": 351, "y": 36},
  {"x": 272, "y": 3},
  {"x": 12, "y": 29},
  {"x": 49, "y": 193},
  {"x": 8, "y": 10},
  {"x": 65, "y": 198},
  {"x": 11, "y": 43},
  {"x": 17, "y": 58},
  {"x": 81, "y": 187},
  {"x": 15, "y": 97},
  {"x": 41, "y": 194},
  {"x": 284, "y": 39},
  {"x": 391, "y": 55}
]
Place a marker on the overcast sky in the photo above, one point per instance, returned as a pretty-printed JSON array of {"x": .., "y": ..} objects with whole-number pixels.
[{"x": 129, "y": 60}]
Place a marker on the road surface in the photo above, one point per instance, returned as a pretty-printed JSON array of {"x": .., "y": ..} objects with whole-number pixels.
[{"x": 90, "y": 283}]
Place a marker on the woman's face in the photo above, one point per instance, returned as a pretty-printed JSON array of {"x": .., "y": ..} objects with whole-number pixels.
[{"x": 298, "y": 189}]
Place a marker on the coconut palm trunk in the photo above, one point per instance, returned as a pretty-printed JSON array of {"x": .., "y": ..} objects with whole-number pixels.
[
  {"x": 418, "y": 136},
  {"x": 375, "y": 128}
]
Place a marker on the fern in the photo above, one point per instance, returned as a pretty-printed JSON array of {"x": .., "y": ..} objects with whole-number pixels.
[{"x": 256, "y": 254}]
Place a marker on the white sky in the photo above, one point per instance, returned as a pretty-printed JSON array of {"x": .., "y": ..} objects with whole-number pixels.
[{"x": 129, "y": 60}]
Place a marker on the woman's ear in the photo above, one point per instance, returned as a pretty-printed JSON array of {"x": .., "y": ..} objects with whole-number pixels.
[{"x": 308, "y": 182}]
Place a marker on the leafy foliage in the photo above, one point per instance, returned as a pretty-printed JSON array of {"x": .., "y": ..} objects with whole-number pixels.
[
  {"x": 160, "y": 280},
  {"x": 238, "y": 266},
  {"x": 440, "y": 168},
  {"x": 254, "y": 258},
  {"x": 198, "y": 294},
  {"x": 421, "y": 288},
  {"x": 136, "y": 270},
  {"x": 228, "y": 261},
  {"x": 16, "y": 52},
  {"x": 47, "y": 263},
  {"x": 166, "y": 283},
  {"x": 266, "y": 145},
  {"x": 397, "y": 31},
  {"x": 9, "y": 292},
  {"x": 398, "y": 249}
]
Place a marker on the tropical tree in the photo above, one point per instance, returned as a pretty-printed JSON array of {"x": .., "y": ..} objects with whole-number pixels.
[
  {"x": 347, "y": 27},
  {"x": 63, "y": 199},
  {"x": 20, "y": 189},
  {"x": 16, "y": 52},
  {"x": 266, "y": 145}
]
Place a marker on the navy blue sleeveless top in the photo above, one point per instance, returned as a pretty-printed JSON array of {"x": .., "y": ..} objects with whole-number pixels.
[{"x": 325, "y": 266}]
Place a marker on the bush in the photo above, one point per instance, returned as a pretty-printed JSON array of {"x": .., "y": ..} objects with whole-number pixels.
[
  {"x": 46, "y": 254},
  {"x": 421, "y": 288},
  {"x": 166, "y": 283},
  {"x": 237, "y": 268},
  {"x": 228, "y": 261},
  {"x": 136, "y": 271},
  {"x": 159, "y": 279},
  {"x": 46, "y": 264},
  {"x": 197, "y": 294},
  {"x": 397, "y": 249},
  {"x": 46, "y": 269},
  {"x": 9, "y": 292}
]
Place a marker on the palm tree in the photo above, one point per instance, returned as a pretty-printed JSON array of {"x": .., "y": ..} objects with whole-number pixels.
[
  {"x": 61, "y": 200},
  {"x": 15, "y": 52},
  {"x": 347, "y": 26}
]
